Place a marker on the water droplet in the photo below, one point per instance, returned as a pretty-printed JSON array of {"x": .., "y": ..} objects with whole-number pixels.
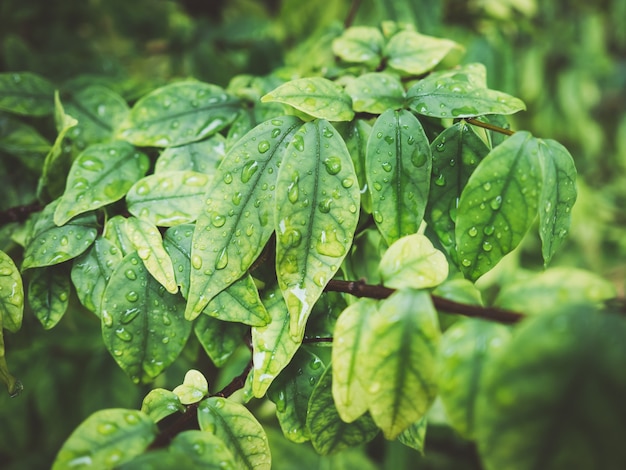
[
  {"x": 326, "y": 132},
  {"x": 167, "y": 321},
  {"x": 249, "y": 169},
  {"x": 131, "y": 419},
  {"x": 291, "y": 238},
  {"x": 378, "y": 217},
  {"x": 218, "y": 220},
  {"x": 219, "y": 403},
  {"x": 324, "y": 205},
  {"x": 487, "y": 246},
  {"x": 410, "y": 140},
  {"x": 222, "y": 259},
  {"x": 386, "y": 166},
  {"x": 472, "y": 232},
  {"x": 333, "y": 165},
  {"x": 281, "y": 402},
  {"x": 196, "y": 262},
  {"x": 389, "y": 139},
  {"x": 228, "y": 177},
  {"x": 91, "y": 163},
  {"x": 548, "y": 207},
  {"x": 292, "y": 190},
  {"x": 496, "y": 203},
  {"x": 298, "y": 142},
  {"x": 316, "y": 364},
  {"x": 175, "y": 124},
  {"x": 489, "y": 229},
  {"x": 64, "y": 241},
  {"x": 441, "y": 146},
  {"x": 237, "y": 198},
  {"x": 467, "y": 263},
  {"x": 263, "y": 146},
  {"x": 132, "y": 296},
  {"x": 80, "y": 184},
  {"x": 487, "y": 186},
  {"x": 440, "y": 180},
  {"x": 124, "y": 335},
  {"x": 130, "y": 274},
  {"x": 275, "y": 133},
  {"x": 107, "y": 319},
  {"x": 378, "y": 186},
  {"x": 129, "y": 315},
  {"x": 106, "y": 428},
  {"x": 418, "y": 159}
]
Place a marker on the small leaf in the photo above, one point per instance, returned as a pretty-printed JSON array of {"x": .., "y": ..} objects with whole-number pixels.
[
  {"x": 360, "y": 44},
  {"x": 115, "y": 230},
  {"x": 193, "y": 389},
  {"x": 498, "y": 204},
  {"x": 240, "y": 303},
  {"x": 177, "y": 244},
  {"x": 413, "y": 261},
  {"x": 218, "y": 338},
  {"x": 26, "y": 93},
  {"x": 416, "y": 53},
  {"x": 356, "y": 134},
  {"x": 23, "y": 141},
  {"x": 316, "y": 96},
  {"x": 106, "y": 439},
  {"x": 177, "y": 114},
  {"x": 100, "y": 175},
  {"x": 375, "y": 92},
  {"x": 398, "y": 165},
  {"x": 203, "y": 156},
  {"x": 48, "y": 295},
  {"x": 206, "y": 450},
  {"x": 11, "y": 295},
  {"x": 238, "y": 429},
  {"x": 414, "y": 435},
  {"x": 160, "y": 403},
  {"x": 460, "y": 93},
  {"x": 317, "y": 210}
]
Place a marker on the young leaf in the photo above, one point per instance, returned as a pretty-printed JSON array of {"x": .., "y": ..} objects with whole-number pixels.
[
  {"x": 100, "y": 175},
  {"x": 460, "y": 93},
  {"x": 160, "y": 403},
  {"x": 177, "y": 114},
  {"x": 240, "y": 303},
  {"x": 203, "y": 156},
  {"x": 238, "y": 429},
  {"x": 116, "y": 231},
  {"x": 316, "y": 96},
  {"x": 206, "y": 450},
  {"x": 193, "y": 389},
  {"x": 48, "y": 295},
  {"x": 498, "y": 204},
  {"x": 219, "y": 338},
  {"x": 11, "y": 295},
  {"x": 328, "y": 432},
  {"x": 360, "y": 44},
  {"x": 414, "y": 435},
  {"x": 142, "y": 325},
  {"x": 398, "y": 165},
  {"x": 168, "y": 198},
  {"x": 375, "y": 92},
  {"x": 26, "y": 93},
  {"x": 317, "y": 210},
  {"x": 414, "y": 53},
  {"x": 106, "y": 439},
  {"x": 236, "y": 222}
]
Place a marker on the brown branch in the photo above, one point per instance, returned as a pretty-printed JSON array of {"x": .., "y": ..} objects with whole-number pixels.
[
  {"x": 354, "y": 8},
  {"x": 491, "y": 127},
  {"x": 19, "y": 213}
]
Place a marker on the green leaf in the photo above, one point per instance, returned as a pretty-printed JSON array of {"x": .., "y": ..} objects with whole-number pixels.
[
  {"x": 48, "y": 295},
  {"x": 50, "y": 244},
  {"x": 23, "y": 141},
  {"x": 168, "y": 198},
  {"x": 375, "y": 92},
  {"x": 237, "y": 218},
  {"x": 146, "y": 239},
  {"x": 177, "y": 114},
  {"x": 203, "y": 156},
  {"x": 456, "y": 153},
  {"x": 115, "y": 230},
  {"x": 414, "y": 435},
  {"x": 557, "y": 196},
  {"x": 360, "y": 44},
  {"x": 291, "y": 392},
  {"x": 315, "y": 96},
  {"x": 328, "y": 432},
  {"x": 398, "y": 165},
  {"x": 553, "y": 398},
  {"x": 413, "y": 261},
  {"x": 14, "y": 386},
  {"x": 414, "y": 53},
  {"x": 459, "y": 290},
  {"x": 460, "y": 93},
  {"x": 91, "y": 272},
  {"x": 355, "y": 134},
  {"x": 498, "y": 204},
  {"x": 317, "y": 210},
  {"x": 26, "y": 93},
  {"x": 142, "y": 325},
  {"x": 400, "y": 375},
  {"x": 106, "y": 439},
  {"x": 162, "y": 459},
  {"x": 160, "y": 403},
  {"x": 193, "y": 389},
  {"x": 219, "y": 338},
  {"x": 100, "y": 175},
  {"x": 177, "y": 244},
  {"x": 240, "y": 303},
  {"x": 238, "y": 429},
  {"x": 465, "y": 348},
  {"x": 272, "y": 345},
  {"x": 11, "y": 295},
  {"x": 350, "y": 357},
  {"x": 206, "y": 450}
]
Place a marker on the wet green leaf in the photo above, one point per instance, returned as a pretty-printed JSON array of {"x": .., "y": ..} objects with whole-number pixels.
[
  {"x": 219, "y": 338},
  {"x": 328, "y": 432},
  {"x": 146, "y": 239},
  {"x": 355, "y": 134},
  {"x": 498, "y": 204},
  {"x": 459, "y": 290},
  {"x": 465, "y": 348},
  {"x": 177, "y": 114},
  {"x": 23, "y": 141},
  {"x": 360, "y": 44},
  {"x": 168, "y": 198},
  {"x": 11, "y": 295},
  {"x": 557, "y": 196},
  {"x": 553, "y": 398},
  {"x": 177, "y": 244},
  {"x": 317, "y": 210},
  {"x": 50, "y": 244},
  {"x": 106, "y": 439},
  {"x": 206, "y": 450},
  {"x": 193, "y": 389},
  {"x": 315, "y": 96},
  {"x": 14, "y": 386},
  {"x": 160, "y": 403},
  {"x": 414, "y": 435},
  {"x": 398, "y": 165},
  {"x": 48, "y": 294},
  {"x": 456, "y": 153},
  {"x": 240, "y": 303},
  {"x": 203, "y": 156},
  {"x": 400, "y": 374},
  {"x": 237, "y": 218},
  {"x": 272, "y": 345},
  {"x": 115, "y": 230},
  {"x": 414, "y": 53},
  {"x": 291, "y": 392},
  {"x": 26, "y": 93},
  {"x": 238, "y": 429},
  {"x": 162, "y": 459},
  {"x": 142, "y": 325},
  {"x": 100, "y": 175},
  {"x": 460, "y": 93},
  {"x": 375, "y": 92}
]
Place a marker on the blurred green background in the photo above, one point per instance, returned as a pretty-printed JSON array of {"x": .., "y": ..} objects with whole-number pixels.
[{"x": 565, "y": 59}]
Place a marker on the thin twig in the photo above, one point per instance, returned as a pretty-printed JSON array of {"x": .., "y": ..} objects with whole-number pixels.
[
  {"x": 354, "y": 8},
  {"x": 491, "y": 127}
]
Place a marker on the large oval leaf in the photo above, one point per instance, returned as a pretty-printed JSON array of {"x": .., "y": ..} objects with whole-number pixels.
[
  {"x": 416, "y": 53},
  {"x": 26, "y": 93},
  {"x": 206, "y": 450},
  {"x": 48, "y": 294},
  {"x": 360, "y": 44},
  {"x": 11, "y": 294},
  {"x": 317, "y": 210},
  {"x": 160, "y": 403},
  {"x": 203, "y": 156},
  {"x": 375, "y": 92}
]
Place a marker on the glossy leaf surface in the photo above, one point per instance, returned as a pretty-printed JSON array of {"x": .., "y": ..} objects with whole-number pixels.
[
  {"x": 116, "y": 231},
  {"x": 11, "y": 294},
  {"x": 193, "y": 389},
  {"x": 240, "y": 303},
  {"x": 415, "y": 435},
  {"x": 375, "y": 92},
  {"x": 414, "y": 53},
  {"x": 360, "y": 44},
  {"x": 219, "y": 338},
  {"x": 160, "y": 403},
  {"x": 206, "y": 450},
  {"x": 203, "y": 156},
  {"x": 26, "y": 93},
  {"x": 48, "y": 295}
]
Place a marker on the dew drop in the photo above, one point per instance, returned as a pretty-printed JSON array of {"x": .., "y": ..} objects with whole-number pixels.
[
  {"x": 293, "y": 192},
  {"x": 324, "y": 205},
  {"x": 275, "y": 133},
  {"x": 250, "y": 168},
  {"x": 418, "y": 159},
  {"x": 472, "y": 232},
  {"x": 298, "y": 142},
  {"x": 129, "y": 315},
  {"x": 107, "y": 319},
  {"x": 228, "y": 177},
  {"x": 326, "y": 132},
  {"x": 496, "y": 203},
  {"x": 196, "y": 262},
  {"x": 387, "y": 166},
  {"x": 378, "y": 217},
  {"x": 487, "y": 186},
  {"x": 91, "y": 164},
  {"x": 263, "y": 146},
  {"x": 467, "y": 263},
  {"x": 487, "y": 246},
  {"x": 124, "y": 335},
  {"x": 237, "y": 198},
  {"x": 389, "y": 139},
  {"x": 218, "y": 220},
  {"x": 378, "y": 186},
  {"x": 440, "y": 180},
  {"x": 130, "y": 274},
  {"x": 489, "y": 229},
  {"x": 380, "y": 135},
  {"x": 106, "y": 428},
  {"x": 132, "y": 296},
  {"x": 167, "y": 321},
  {"x": 222, "y": 259},
  {"x": 347, "y": 183},
  {"x": 333, "y": 165}
]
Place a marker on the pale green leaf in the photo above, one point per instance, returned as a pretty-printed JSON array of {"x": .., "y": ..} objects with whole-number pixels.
[
  {"x": 177, "y": 114},
  {"x": 375, "y": 92},
  {"x": 498, "y": 204},
  {"x": 415, "y": 435},
  {"x": 203, "y": 156},
  {"x": 168, "y": 198},
  {"x": 206, "y": 450},
  {"x": 11, "y": 294},
  {"x": 161, "y": 459},
  {"x": 237, "y": 218},
  {"x": 218, "y": 338},
  {"x": 240, "y": 303},
  {"x": 355, "y": 134},
  {"x": 238, "y": 429},
  {"x": 146, "y": 239},
  {"x": 315, "y": 96},
  {"x": 48, "y": 294},
  {"x": 142, "y": 325},
  {"x": 100, "y": 175},
  {"x": 160, "y": 403},
  {"x": 459, "y": 290},
  {"x": 414, "y": 53},
  {"x": 317, "y": 210},
  {"x": 106, "y": 439},
  {"x": 193, "y": 389},
  {"x": 177, "y": 244},
  {"x": 360, "y": 44},
  {"x": 398, "y": 166},
  {"x": 115, "y": 230},
  {"x": 26, "y": 93},
  {"x": 460, "y": 93}
]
